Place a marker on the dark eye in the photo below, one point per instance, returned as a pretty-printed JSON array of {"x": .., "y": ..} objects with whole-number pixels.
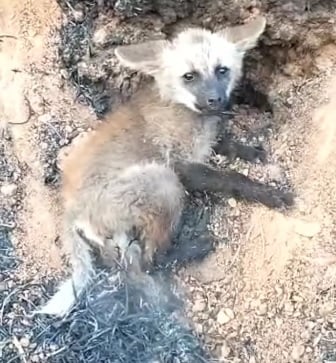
[
  {"x": 222, "y": 70},
  {"x": 190, "y": 76}
]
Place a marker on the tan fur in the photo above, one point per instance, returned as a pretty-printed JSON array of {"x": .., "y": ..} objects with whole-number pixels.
[{"x": 120, "y": 185}]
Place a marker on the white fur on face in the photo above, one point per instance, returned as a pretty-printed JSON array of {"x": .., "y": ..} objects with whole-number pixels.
[{"x": 196, "y": 50}]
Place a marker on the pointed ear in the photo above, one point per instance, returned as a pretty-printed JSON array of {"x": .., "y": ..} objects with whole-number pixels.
[
  {"x": 246, "y": 36},
  {"x": 143, "y": 57}
]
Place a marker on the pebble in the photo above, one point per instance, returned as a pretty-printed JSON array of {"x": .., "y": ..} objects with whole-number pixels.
[
  {"x": 297, "y": 352},
  {"x": 274, "y": 172},
  {"x": 225, "y": 315},
  {"x": 278, "y": 322},
  {"x": 225, "y": 350},
  {"x": 68, "y": 129},
  {"x": 64, "y": 74},
  {"x": 262, "y": 309},
  {"x": 8, "y": 189},
  {"x": 78, "y": 15},
  {"x": 310, "y": 350},
  {"x": 199, "y": 328},
  {"x": 306, "y": 335},
  {"x": 326, "y": 309},
  {"x": 24, "y": 341},
  {"x": 307, "y": 229},
  {"x": 100, "y": 37},
  {"x": 45, "y": 118},
  {"x": 232, "y": 202},
  {"x": 289, "y": 308},
  {"x": 3, "y": 286},
  {"x": 199, "y": 306}
]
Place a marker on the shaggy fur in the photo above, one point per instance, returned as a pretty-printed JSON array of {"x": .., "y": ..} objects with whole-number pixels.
[{"x": 123, "y": 190}]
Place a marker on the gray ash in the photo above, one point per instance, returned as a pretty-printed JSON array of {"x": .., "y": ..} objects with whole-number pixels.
[{"x": 115, "y": 321}]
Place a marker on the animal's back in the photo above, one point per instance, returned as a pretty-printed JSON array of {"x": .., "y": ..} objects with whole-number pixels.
[
  {"x": 144, "y": 130},
  {"x": 116, "y": 144}
]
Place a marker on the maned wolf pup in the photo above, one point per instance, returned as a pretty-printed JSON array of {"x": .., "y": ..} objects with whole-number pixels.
[{"x": 123, "y": 189}]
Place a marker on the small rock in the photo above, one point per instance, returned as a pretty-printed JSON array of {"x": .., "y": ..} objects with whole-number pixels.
[
  {"x": 24, "y": 341},
  {"x": 311, "y": 325},
  {"x": 306, "y": 335},
  {"x": 26, "y": 322},
  {"x": 8, "y": 189},
  {"x": 225, "y": 315},
  {"x": 45, "y": 118},
  {"x": 326, "y": 309},
  {"x": 199, "y": 306},
  {"x": 262, "y": 309},
  {"x": 63, "y": 142},
  {"x": 225, "y": 350},
  {"x": 3, "y": 286},
  {"x": 278, "y": 322},
  {"x": 297, "y": 352},
  {"x": 252, "y": 359},
  {"x": 68, "y": 129},
  {"x": 289, "y": 308},
  {"x": 307, "y": 229},
  {"x": 199, "y": 328},
  {"x": 310, "y": 350},
  {"x": 232, "y": 202},
  {"x": 78, "y": 15},
  {"x": 43, "y": 145},
  {"x": 64, "y": 74},
  {"x": 100, "y": 37},
  {"x": 274, "y": 172},
  {"x": 53, "y": 347}
]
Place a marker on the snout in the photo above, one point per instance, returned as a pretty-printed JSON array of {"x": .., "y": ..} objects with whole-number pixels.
[
  {"x": 213, "y": 98},
  {"x": 216, "y": 103}
]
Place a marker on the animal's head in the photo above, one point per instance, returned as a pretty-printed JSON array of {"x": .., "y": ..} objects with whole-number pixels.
[{"x": 198, "y": 68}]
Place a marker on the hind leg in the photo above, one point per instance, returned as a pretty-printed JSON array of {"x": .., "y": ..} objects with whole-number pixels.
[
  {"x": 64, "y": 299},
  {"x": 143, "y": 204}
]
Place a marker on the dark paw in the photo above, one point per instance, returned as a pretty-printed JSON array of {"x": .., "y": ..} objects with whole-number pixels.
[
  {"x": 259, "y": 154},
  {"x": 253, "y": 154},
  {"x": 277, "y": 199},
  {"x": 185, "y": 252},
  {"x": 250, "y": 153}
]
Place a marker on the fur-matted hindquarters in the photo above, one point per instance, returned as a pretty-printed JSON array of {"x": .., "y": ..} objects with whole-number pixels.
[{"x": 145, "y": 202}]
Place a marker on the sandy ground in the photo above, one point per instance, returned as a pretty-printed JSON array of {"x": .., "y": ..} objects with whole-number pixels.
[{"x": 268, "y": 294}]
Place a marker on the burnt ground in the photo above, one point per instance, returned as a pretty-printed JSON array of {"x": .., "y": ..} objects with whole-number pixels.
[{"x": 266, "y": 292}]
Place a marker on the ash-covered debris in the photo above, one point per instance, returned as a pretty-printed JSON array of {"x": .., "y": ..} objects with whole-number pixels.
[
  {"x": 8, "y": 260},
  {"x": 52, "y": 135},
  {"x": 118, "y": 320},
  {"x": 91, "y": 31},
  {"x": 130, "y": 8},
  {"x": 169, "y": 10},
  {"x": 9, "y": 165},
  {"x": 10, "y": 202}
]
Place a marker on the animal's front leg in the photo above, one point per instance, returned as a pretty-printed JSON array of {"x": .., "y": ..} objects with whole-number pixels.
[
  {"x": 234, "y": 149},
  {"x": 185, "y": 251},
  {"x": 200, "y": 177}
]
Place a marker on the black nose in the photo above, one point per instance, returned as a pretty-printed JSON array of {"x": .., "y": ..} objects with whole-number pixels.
[{"x": 214, "y": 102}]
